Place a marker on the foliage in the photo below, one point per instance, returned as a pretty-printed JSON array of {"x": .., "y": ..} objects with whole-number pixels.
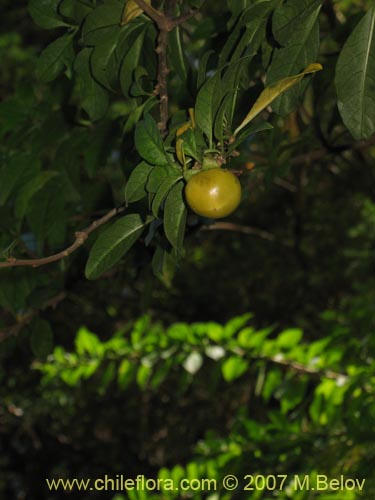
[{"x": 105, "y": 66}]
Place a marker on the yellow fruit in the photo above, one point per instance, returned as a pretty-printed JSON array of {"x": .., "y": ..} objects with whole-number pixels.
[{"x": 213, "y": 193}]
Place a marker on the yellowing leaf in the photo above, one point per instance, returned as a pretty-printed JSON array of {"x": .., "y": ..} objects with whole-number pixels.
[
  {"x": 192, "y": 117},
  {"x": 132, "y": 11},
  {"x": 270, "y": 93},
  {"x": 180, "y": 151},
  {"x": 183, "y": 128}
]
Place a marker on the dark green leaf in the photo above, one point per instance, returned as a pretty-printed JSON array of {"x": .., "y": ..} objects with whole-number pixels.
[
  {"x": 355, "y": 79},
  {"x": 175, "y": 216},
  {"x": 75, "y": 10},
  {"x": 94, "y": 98},
  {"x": 301, "y": 49},
  {"x": 44, "y": 13},
  {"x": 202, "y": 68},
  {"x": 100, "y": 22},
  {"x": 54, "y": 58},
  {"x": 164, "y": 188},
  {"x": 290, "y": 15},
  {"x": 135, "y": 188},
  {"x": 131, "y": 62},
  {"x": 102, "y": 56},
  {"x": 221, "y": 122},
  {"x": 207, "y": 104},
  {"x": 113, "y": 243},
  {"x": 149, "y": 143},
  {"x": 252, "y": 128},
  {"x": 155, "y": 178},
  {"x": 18, "y": 169},
  {"x": 177, "y": 54},
  {"x": 31, "y": 189}
]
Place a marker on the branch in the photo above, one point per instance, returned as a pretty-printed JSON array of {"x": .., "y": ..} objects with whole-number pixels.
[
  {"x": 81, "y": 237},
  {"x": 253, "y": 231},
  {"x": 160, "y": 19},
  {"x": 165, "y": 23},
  {"x": 321, "y": 153},
  {"x": 300, "y": 368},
  {"x": 15, "y": 329}
]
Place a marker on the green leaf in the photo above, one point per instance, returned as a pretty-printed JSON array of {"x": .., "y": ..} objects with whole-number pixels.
[
  {"x": 30, "y": 189},
  {"x": 233, "y": 367},
  {"x": 41, "y": 339},
  {"x": 149, "y": 143},
  {"x": 177, "y": 54},
  {"x": 19, "y": 168},
  {"x": 54, "y": 58},
  {"x": 248, "y": 131},
  {"x": 162, "y": 191},
  {"x": 221, "y": 123},
  {"x": 94, "y": 98},
  {"x": 113, "y": 243},
  {"x": 207, "y": 104},
  {"x": 87, "y": 342},
  {"x": 202, "y": 68},
  {"x": 100, "y": 22},
  {"x": 75, "y": 10},
  {"x": 125, "y": 373},
  {"x": 271, "y": 92},
  {"x": 102, "y": 57},
  {"x": 175, "y": 216},
  {"x": 156, "y": 177},
  {"x": 355, "y": 79},
  {"x": 45, "y": 14},
  {"x": 289, "y": 338},
  {"x": 135, "y": 188},
  {"x": 289, "y": 17},
  {"x": 130, "y": 62},
  {"x": 296, "y": 23},
  {"x": 248, "y": 33}
]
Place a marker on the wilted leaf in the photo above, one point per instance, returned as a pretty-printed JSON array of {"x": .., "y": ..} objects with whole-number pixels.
[
  {"x": 270, "y": 93},
  {"x": 131, "y": 11}
]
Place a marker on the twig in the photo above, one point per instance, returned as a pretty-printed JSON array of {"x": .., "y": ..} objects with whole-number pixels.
[
  {"x": 253, "y": 231},
  {"x": 165, "y": 24},
  {"x": 300, "y": 368},
  {"x": 81, "y": 237},
  {"x": 27, "y": 318},
  {"x": 321, "y": 153}
]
